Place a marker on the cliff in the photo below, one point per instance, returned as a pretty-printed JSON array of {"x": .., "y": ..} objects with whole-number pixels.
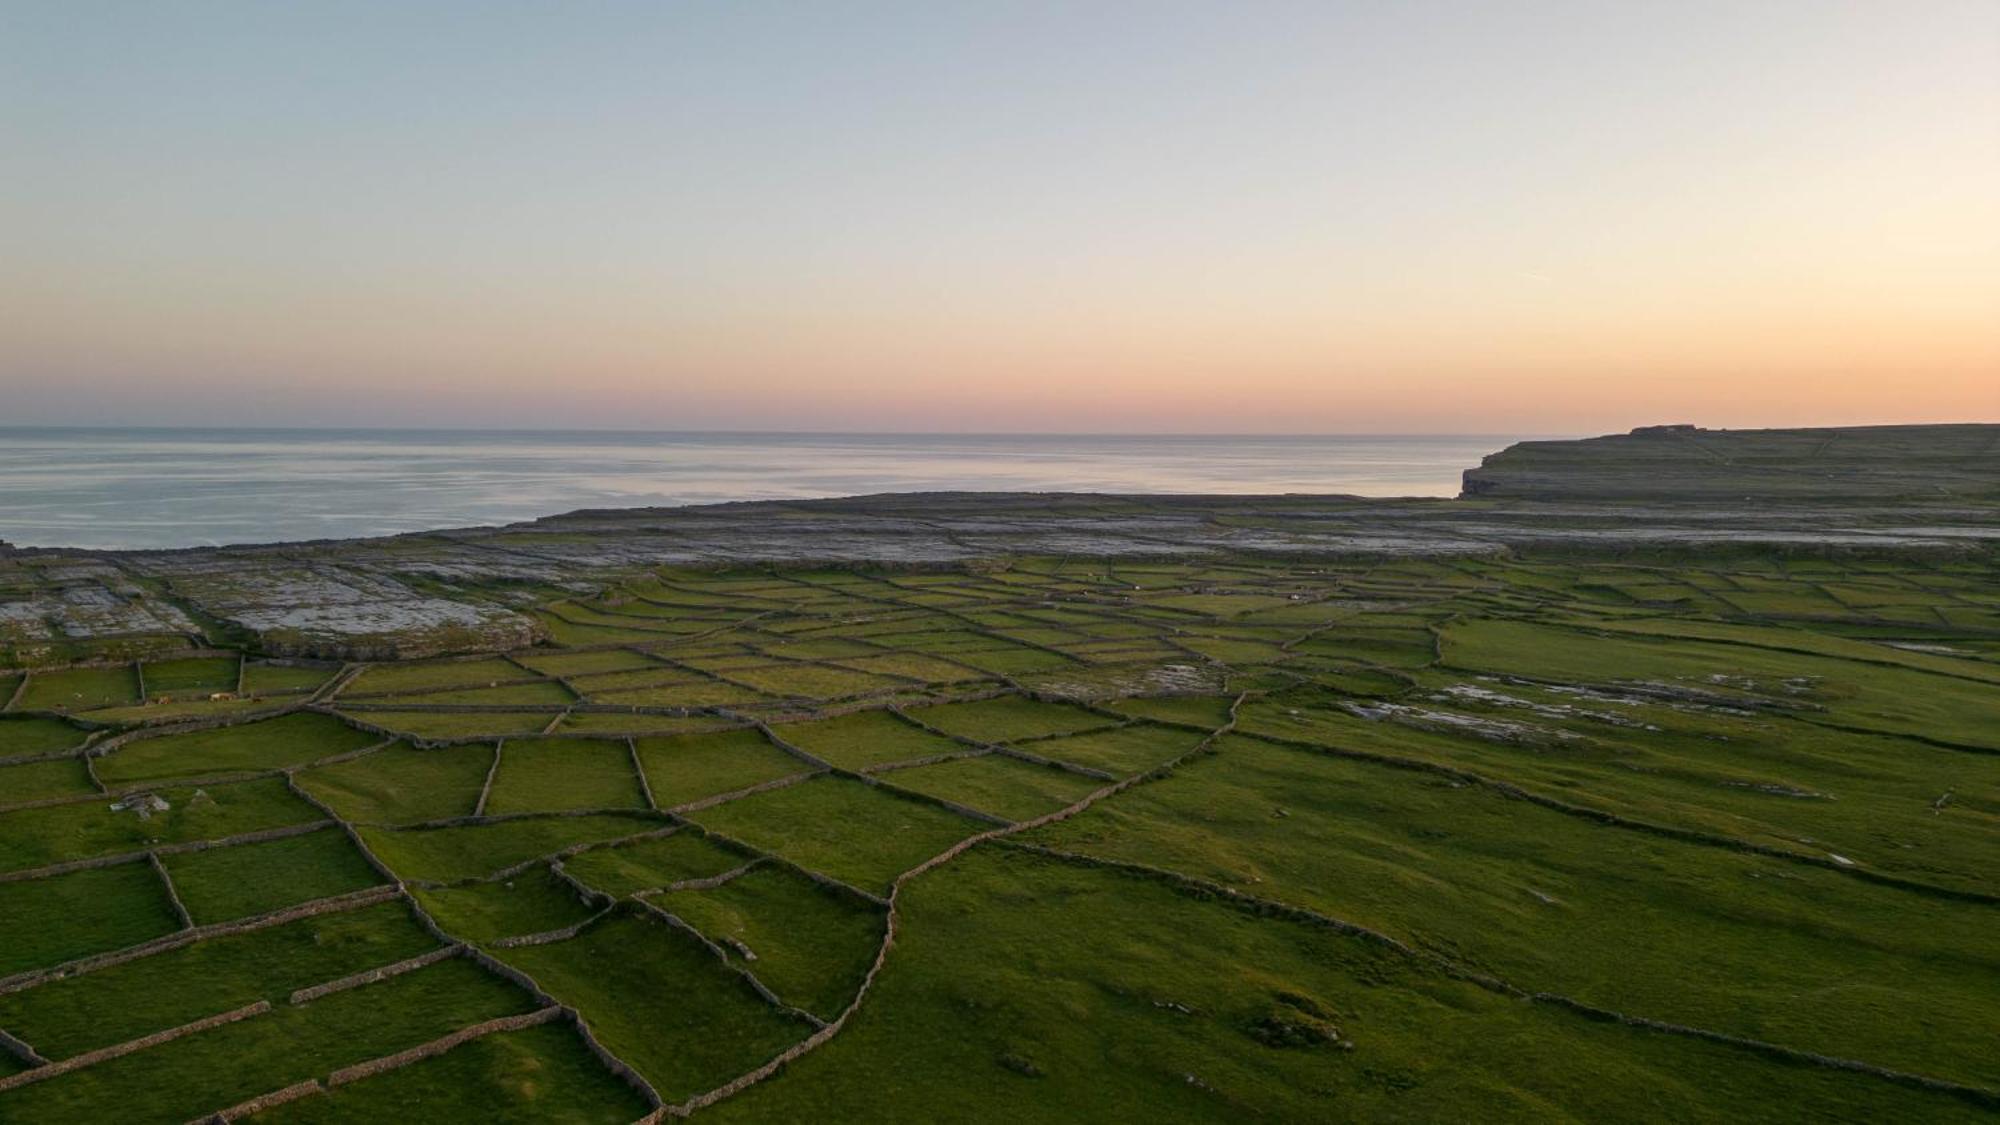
[{"x": 1689, "y": 463}]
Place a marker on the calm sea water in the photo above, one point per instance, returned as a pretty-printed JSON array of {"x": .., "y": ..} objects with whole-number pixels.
[{"x": 180, "y": 488}]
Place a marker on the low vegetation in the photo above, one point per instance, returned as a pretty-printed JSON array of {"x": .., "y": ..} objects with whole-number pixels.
[{"x": 1707, "y": 836}]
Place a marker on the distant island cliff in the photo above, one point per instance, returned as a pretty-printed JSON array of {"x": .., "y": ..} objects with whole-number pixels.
[{"x": 1685, "y": 462}]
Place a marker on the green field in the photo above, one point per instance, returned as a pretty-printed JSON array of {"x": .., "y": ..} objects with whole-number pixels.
[
  {"x": 543, "y": 775},
  {"x": 808, "y": 943},
  {"x": 268, "y": 745},
  {"x": 1709, "y": 837}
]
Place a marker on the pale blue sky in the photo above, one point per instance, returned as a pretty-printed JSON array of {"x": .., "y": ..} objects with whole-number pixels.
[{"x": 1103, "y": 216}]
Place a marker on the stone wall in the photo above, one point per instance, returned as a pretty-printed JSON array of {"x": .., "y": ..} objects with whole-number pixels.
[
  {"x": 353, "y": 900},
  {"x": 380, "y": 973},
  {"x": 102, "y": 1054},
  {"x": 439, "y": 1046},
  {"x": 262, "y": 1102}
]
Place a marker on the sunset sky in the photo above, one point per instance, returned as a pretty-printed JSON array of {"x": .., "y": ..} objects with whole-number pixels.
[{"x": 941, "y": 216}]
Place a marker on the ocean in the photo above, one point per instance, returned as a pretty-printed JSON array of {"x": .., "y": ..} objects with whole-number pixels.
[{"x": 131, "y": 488}]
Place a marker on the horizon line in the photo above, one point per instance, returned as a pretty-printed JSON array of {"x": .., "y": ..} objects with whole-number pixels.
[{"x": 730, "y": 432}]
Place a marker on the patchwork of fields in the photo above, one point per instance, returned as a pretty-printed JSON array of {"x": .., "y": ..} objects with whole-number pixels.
[{"x": 1708, "y": 837}]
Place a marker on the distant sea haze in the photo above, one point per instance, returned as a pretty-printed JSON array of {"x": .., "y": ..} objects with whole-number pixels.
[{"x": 135, "y": 488}]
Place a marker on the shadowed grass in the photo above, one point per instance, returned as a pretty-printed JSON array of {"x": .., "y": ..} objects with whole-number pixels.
[
  {"x": 842, "y": 828},
  {"x": 661, "y": 1002}
]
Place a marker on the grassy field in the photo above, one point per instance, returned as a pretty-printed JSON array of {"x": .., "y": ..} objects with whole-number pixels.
[
  {"x": 36, "y": 837},
  {"x": 80, "y": 689},
  {"x": 865, "y": 738},
  {"x": 458, "y": 725},
  {"x": 1002, "y": 786},
  {"x": 650, "y": 864},
  {"x": 403, "y": 785},
  {"x": 83, "y": 1013},
  {"x": 38, "y": 781},
  {"x": 196, "y": 675},
  {"x": 661, "y": 1002},
  {"x": 532, "y": 902},
  {"x": 209, "y": 1070},
  {"x": 44, "y": 922},
  {"x": 808, "y": 943},
  {"x": 846, "y": 829},
  {"x": 219, "y": 884},
  {"x": 545, "y": 775},
  {"x": 272, "y": 744},
  {"x": 24, "y": 736},
  {"x": 685, "y": 768},
  {"x": 1031, "y": 991},
  {"x": 541, "y": 1073},
  {"x": 476, "y": 850},
  {"x": 1528, "y": 838},
  {"x": 1686, "y": 932}
]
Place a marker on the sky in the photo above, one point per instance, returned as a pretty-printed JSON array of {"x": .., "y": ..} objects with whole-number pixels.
[{"x": 1147, "y": 216}]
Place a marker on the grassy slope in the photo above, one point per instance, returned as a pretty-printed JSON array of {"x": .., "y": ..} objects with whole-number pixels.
[
  {"x": 1027, "y": 990},
  {"x": 1758, "y": 699}
]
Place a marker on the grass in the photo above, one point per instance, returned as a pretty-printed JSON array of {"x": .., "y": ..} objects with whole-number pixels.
[
  {"x": 1770, "y": 780},
  {"x": 1013, "y": 661},
  {"x": 1219, "y": 605},
  {"x": 452, "y": 725},
  {"x": 48, "y": 921},
  {"x": 565, "y": 632},
  {"x": 813, "y": 681},
  {"x": 683, "y": 768},
  {"x": 862, "y": 739},
  {"x": 192, "y": 675},
  {"x": 693, "y": 693},
  {"x": 1870, "y": 697},
  {"x": 997, "y": 784},
  {"x": 1681, "y": 932},
  {"x": 460, "y": 853},
  {"x": 220, "y": 884},
  {"x": 841, "y": 828},
  {"x": 31, "y": 781},
  {"x": 1388, "y": 648},
  {"x": 1124, "y": 750},
  {"x": 424, "y": 675},
  {"x": 202, "y": 1073},
  {"x": 653, "y": 675},
  {"x": 289, "y": 740},
  {"x": 1210, "y": 711},
  {"x": 1030, "y": 991},
  {"x": 1781, "y": 639},
  {"x": 1007, "y": 718},
  {"x": 544, "y": 1073},
  {"x": 670, "y": 1009},
  {"x": 811, "y": 944},
  {"x": 80, "y": 689},
  {"x": 402, "y": 784},
  {"x": 22, "y": 735},
  {"x": 160, "y": 711},
  {"x": 914, "y": 666},
  {"x": 1751, "y": 699},
  {"x": 547, "y": 693},
  {"x": 612, "y": 722},
  {"x": 629, "y": 868},
  {"x": 81, "y": 1013},
  {"x": 544, "y": 775},
  {"x": 585, "y": 663},
  {"x": 1230, "y": 650},
  {"x": 261, "y": 678},
  {"x": 38, "y": 837},
  {"x": 532, "y": 902}
]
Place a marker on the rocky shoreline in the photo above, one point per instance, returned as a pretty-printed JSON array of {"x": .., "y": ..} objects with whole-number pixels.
[{"x": 1891, "y": 490}]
